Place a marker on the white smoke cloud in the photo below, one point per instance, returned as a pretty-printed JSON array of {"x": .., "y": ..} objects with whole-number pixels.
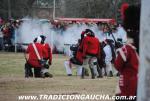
[{"x": 31, "y": 28}]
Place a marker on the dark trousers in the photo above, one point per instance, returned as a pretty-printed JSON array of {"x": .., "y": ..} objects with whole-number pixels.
[
  {"x": 37, "y": 72},
  {"x": 29, "y": 73},
  {"x": 99, "y": 70},
  {"x": 28, "y": 70}
]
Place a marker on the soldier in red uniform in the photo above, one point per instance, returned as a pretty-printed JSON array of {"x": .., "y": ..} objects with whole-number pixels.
[
  {"x": 68, "y": 64},
  {"x": 47, "y": 57},
  {"x": 32, "y": 58},
  {"x": 89, "y": 46},
  {"x": 90, "y": 49},
  {"x": 127, "y": 61}
]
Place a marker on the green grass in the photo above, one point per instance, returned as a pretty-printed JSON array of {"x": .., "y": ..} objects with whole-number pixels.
[
  {"x": 13, "y": 83},
  {"x": 12, "y": 64}
]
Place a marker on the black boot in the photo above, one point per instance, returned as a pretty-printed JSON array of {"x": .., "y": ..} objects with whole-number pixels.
[
  {"x": 48, "y": 75},
  {"x": 69, "y": 74},
  {"x": 110, "y": 74},
  {"x": 99, "y": 70}
]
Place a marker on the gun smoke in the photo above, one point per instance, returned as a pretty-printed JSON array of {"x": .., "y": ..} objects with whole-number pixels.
[{"x": 31, "y": 28}]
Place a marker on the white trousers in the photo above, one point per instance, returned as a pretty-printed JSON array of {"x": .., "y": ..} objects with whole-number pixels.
[
  {"x": 44, "y": 70},
  {"x": 68, "y": 68},
  {"x": 108, "y": 58}
]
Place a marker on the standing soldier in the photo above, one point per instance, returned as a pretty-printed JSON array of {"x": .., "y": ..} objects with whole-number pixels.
[
  {"x": 127, "y": 61},
  {"x": 108, "y": 57},
  {"x": 89, "y": 51},
  {"x": 109, "y": 36}
]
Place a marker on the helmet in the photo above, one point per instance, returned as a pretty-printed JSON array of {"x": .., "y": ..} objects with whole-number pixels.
[
  {"x": 37, "y": 40},
  {"x": 43, "y": 39},
  {"x": 131, "y": 23},
  {"x": 89, "y": 32}
]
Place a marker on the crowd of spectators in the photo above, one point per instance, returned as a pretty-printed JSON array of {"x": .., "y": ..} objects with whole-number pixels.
[{"x": 7, "y": 34}]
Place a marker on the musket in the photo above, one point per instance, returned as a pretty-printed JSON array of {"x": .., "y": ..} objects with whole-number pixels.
[
  {"x": 67, "y": 44},
  {"x": 24, "y": 44},
  {"x": 110, "y": 32}
]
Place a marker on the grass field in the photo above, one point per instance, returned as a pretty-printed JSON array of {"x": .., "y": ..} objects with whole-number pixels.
[{"x": 13, "y": 83}]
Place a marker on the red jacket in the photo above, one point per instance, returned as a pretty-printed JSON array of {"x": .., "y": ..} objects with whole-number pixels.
[
  {"x": 89, "y": 46},
  {"x": 48, "y": 55},
  {"x": 33, "y": 59},
  {"x": 127, "y": 63}
]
